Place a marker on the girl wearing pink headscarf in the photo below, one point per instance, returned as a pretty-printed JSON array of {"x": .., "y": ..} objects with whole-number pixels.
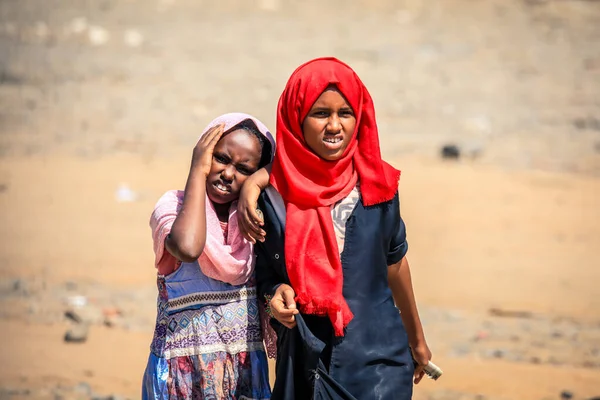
[{"x": 208, "y": 342}]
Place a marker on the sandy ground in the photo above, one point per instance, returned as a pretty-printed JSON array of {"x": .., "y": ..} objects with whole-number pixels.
[
  {"x": 97, "y": 94},
  {"x": 480, "y": 238}
]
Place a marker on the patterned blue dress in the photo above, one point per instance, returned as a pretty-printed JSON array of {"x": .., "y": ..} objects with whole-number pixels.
[{"x": 207, "y": 341}]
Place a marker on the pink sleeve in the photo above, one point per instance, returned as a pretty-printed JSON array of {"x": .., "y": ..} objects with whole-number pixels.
[{"x": 161, "y": 221}]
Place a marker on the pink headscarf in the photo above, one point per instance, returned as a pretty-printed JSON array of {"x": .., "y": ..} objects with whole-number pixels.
[{"x": 231, "y": 260}]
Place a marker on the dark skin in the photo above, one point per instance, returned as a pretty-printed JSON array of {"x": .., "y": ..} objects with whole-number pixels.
[
  {"x": 220, "y": 166},
  {"x": 235, "y": 157},
  {"x": 332, "y": 117},
  {"x": 329, "y": 126}
]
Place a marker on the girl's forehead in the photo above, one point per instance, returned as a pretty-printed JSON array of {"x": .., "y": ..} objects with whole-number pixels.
[
  {"x": 240, "y": 139},
  {"x": 331, "y": 94},
  {"x": 331, "y": 91}
]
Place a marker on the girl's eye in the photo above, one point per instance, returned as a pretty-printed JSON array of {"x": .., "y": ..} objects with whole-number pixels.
[
  {"x": 244, "y": 171},
  {"x": 320, "y": 114},
  {"x": 220, "y": 159},
  {"x": 346, "y": 113}
]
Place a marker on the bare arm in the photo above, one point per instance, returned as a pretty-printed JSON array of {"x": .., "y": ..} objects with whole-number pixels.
[
  {"x": 188, "y": 234},
  {"x": 401, "y": 285}
]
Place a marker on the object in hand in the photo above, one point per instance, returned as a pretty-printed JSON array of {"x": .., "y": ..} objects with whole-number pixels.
[{"x": 433, "y": 371}]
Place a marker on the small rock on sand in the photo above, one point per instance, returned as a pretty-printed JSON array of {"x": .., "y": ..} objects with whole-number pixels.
[{"x": 77, "y": 334}]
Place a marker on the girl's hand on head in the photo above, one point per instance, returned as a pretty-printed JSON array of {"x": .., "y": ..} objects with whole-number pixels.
[
  {"x": 283, "y": 306},
  {"x": 249, "y": 220},
  {"x": 422, "y": 355},
  {"x": 203, "y": 152}
]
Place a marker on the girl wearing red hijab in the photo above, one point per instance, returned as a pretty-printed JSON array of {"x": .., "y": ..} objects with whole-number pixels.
[{"x": 331, "y": 257}]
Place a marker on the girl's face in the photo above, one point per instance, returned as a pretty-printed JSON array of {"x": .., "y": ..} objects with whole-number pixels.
[
  {"x": 329, "y": 125},
  {"x": 235, "y": 157}
]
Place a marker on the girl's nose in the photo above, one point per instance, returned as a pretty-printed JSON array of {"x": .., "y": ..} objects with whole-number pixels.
[
  {"x": 228, "y": 173},
  {"x": 334, "y": 125}
]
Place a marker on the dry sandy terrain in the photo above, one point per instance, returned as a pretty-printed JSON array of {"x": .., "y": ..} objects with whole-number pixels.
[{"x": 503, "y": 243}]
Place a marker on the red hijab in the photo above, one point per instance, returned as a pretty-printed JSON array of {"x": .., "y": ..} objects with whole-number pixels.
[{"x": 310, "y": 185}]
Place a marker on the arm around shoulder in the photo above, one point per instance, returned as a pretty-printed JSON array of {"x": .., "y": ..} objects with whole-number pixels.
[{"x": 250, "y": 222}]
